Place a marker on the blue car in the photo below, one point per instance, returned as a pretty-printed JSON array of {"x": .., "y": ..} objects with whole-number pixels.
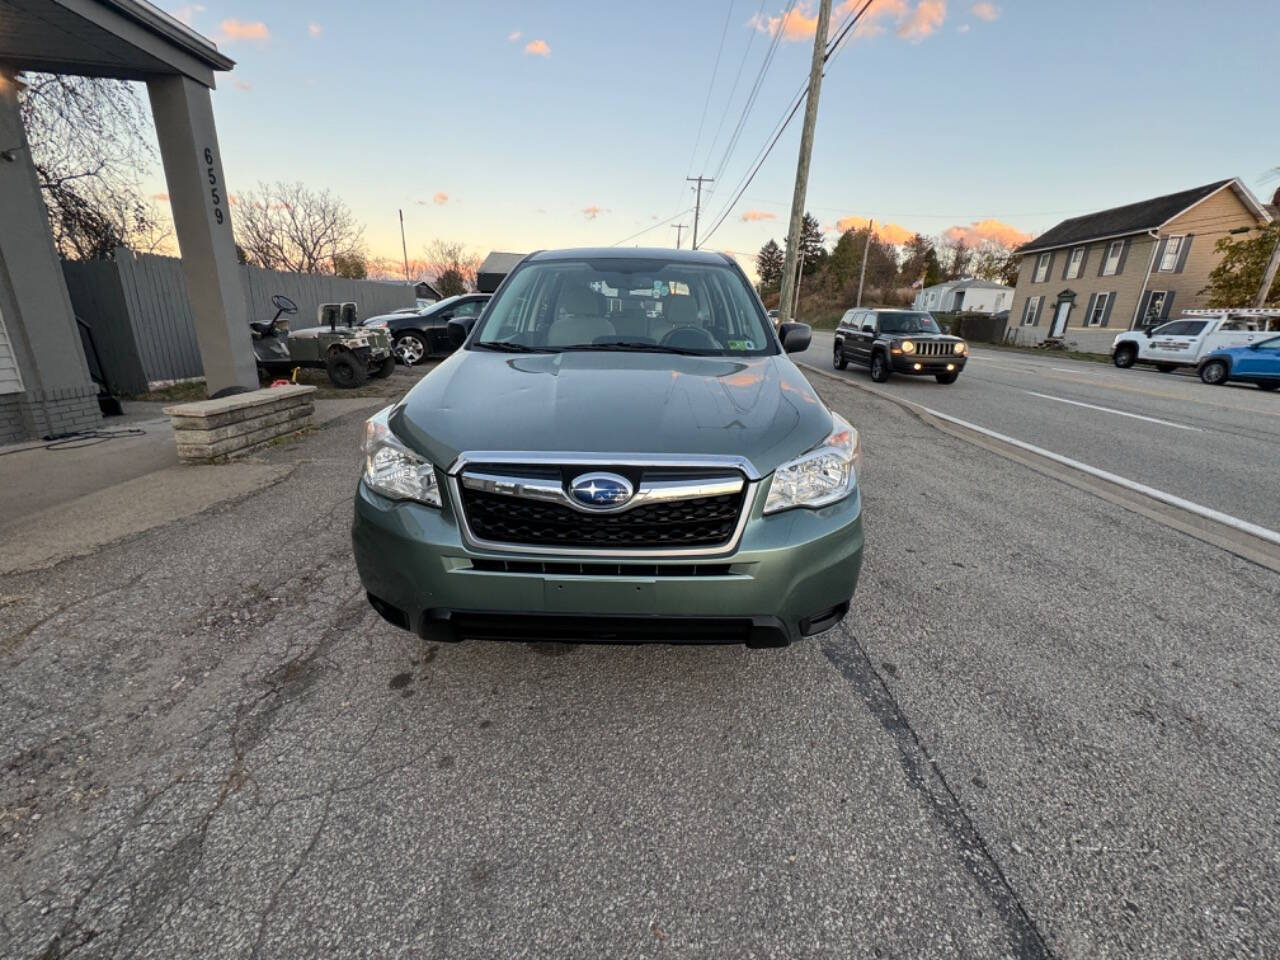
[{"x": 1255, "y": 363}]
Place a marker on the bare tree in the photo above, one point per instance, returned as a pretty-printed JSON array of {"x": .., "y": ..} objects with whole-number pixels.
[
  {"x": 287, "y": 226},
  {"x": 90, "y": 148},
  {"x": 449, "y": 257}
]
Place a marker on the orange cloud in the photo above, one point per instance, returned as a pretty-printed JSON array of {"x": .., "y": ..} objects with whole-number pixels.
[
  {"x": 987, "y": 231},
  {"x": 924, "y": 20},
  {"x": 985, "y": 11},
  {"x": 593, "y": 211},
  {"x": 801, "y": 22},
  {"x": 440, "y": 199},
  {"x": 752, "y": 216},
  {"x": 160, "y": 197},
  {"x": 890, "y": 233},
  {"x": 255, "y": 30},
  {"x": 314, "y": 29},
  {"x": 537, "y": 48},
  {"x": 513, "y": 36}
]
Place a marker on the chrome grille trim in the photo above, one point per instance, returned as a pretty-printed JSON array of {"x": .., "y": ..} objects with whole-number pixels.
[
  {"x": 935, "y": 348},
  {"x": 526, "y": 458},
  {"x": 549, "y": 491}
]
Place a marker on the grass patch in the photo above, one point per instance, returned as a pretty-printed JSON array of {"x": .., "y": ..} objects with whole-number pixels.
[{"x": 1047, "y": 352}]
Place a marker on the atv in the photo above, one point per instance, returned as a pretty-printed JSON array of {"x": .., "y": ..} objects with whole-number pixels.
[{"x": 351, "y": 354}]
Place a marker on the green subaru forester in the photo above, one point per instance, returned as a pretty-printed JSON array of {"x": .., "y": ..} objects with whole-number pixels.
[{"x": 622, "y": 452}]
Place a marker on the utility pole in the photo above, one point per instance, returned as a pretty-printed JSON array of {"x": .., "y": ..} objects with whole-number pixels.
[
  {"x": 1268, "y": 276},
  {"x": 871, "y": 227},
  {"x": 697, "y": 207},
  {"x": 403, "y": 248},
  {"x": 802, "y": 163},
  {"x": 679, "y": 228},
  {"x": 799, "y": 277}
]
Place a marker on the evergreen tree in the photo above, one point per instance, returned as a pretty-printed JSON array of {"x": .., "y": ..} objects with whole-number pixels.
[{"x": 769, "y": 264}]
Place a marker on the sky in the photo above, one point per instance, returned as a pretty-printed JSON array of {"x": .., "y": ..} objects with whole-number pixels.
[{"x": 517, "y": 126}]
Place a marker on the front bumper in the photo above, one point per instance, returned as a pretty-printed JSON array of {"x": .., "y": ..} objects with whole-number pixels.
[
  {"x": 792, "y": 575},
  {"x": 907, "y": 363}
]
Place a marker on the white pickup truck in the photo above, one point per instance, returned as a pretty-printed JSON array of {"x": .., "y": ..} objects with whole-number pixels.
[{"x": 1196, "y": 334}]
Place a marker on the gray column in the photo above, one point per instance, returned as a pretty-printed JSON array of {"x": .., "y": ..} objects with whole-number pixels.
[
  {"x": 58, "y": 395},
  {"x": 183, "y": 114}
]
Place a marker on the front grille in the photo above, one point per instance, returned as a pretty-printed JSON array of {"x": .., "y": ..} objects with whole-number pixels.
[
  {"x": 935, "y": 348},
  {"x": 701, "y": 522}
]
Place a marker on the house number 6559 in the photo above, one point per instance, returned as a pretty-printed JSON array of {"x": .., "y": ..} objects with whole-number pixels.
[{"x": 213, "y": 187}]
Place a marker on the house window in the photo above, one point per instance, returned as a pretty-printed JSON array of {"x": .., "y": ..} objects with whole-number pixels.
[
  {"x": 1155, "y": 306},
  {"x": 1073, "y": 265},
  {"x": 1029, "y": 311},
  {"x": 1172, "y": 247},
  {"x": 1112, "y": 264},
  {"x": 1042, "y": 267},
  {"x": 1099, "y": 309}
]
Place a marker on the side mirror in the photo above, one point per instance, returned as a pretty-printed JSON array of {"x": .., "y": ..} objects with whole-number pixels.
[
  {"x": 459, "y": 330},
  {"x": 795, "y": 337}
]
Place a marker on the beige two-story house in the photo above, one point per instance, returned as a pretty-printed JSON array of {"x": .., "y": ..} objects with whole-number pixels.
[{"x": 1090, "y": 277}]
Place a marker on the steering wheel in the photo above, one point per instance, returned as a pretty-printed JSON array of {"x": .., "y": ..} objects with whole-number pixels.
[
  {"x": 690, "y": 338},
  {"x": 284, "y": 304}
]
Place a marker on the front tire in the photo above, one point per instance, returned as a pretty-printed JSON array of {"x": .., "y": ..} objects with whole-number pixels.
[
  {"x": 838, "y": 361},
  {"x": 1166, "y": 367},
  {"x": 384, "y": 369},
  {"x": 1126, "y": 356},
  {"x": 879, "y": 367},
  {"x": 345, "y": 371},
  {"x": 946, "y": 377},
  {"x": 1215, "y": 372},
  {"x": 410, "y": 349}
]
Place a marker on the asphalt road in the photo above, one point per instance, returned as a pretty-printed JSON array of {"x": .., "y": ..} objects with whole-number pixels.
[
  {"x": 1039, "y": 733},
  {"x": 1216, "y": 446}
]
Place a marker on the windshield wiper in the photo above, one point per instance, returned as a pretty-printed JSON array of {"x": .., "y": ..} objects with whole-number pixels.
[
  {"x": 636, "y": 347},
  {"x": 507, "y": 346}
]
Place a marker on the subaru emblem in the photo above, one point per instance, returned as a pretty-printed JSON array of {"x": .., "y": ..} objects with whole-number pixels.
[{"x": 600, "y": 491}]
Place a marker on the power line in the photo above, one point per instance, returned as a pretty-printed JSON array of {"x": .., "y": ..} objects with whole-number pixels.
[
  {"x": 755, "y": 91},
  {"x": 832, "y": 47},
  {"x": 697, "y": 142},
  {"x": 652, "y": 226},
  {"x": 734, "y": 86}
]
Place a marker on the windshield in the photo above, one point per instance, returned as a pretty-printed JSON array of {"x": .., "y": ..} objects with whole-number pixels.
[
  {"x": 646, "y": 305},
  {"x": 907, "y": 323}
]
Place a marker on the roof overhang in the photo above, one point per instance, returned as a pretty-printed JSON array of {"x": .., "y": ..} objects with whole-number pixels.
[
  {"x": 122, "y": 39},
  {"x": 1241, "y": 191}
]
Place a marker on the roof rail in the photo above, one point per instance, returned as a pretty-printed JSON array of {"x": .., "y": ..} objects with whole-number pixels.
[{"x": 1236, "y": 311}]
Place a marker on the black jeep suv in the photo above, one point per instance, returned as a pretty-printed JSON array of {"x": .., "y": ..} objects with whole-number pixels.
[{"x": 898, "y": 341}]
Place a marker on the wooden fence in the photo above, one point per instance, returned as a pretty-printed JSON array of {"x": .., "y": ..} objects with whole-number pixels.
[{"x": 137, "y": 308}]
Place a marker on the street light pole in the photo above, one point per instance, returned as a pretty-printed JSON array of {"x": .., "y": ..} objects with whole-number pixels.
[
  {"x": 1268, "y": 276},
  {"x": 789, "y": 277},
  {"x": 403, "y": 248},
  {"x": 679, "y": 228}
]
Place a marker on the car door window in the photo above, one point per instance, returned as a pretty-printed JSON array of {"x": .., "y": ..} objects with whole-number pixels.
[
  {"x": 869, "y": 323},
  {"x": 468, "y": 308}
]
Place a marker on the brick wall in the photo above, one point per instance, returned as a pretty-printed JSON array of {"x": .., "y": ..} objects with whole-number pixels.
[{"x": 36, "y": 413}]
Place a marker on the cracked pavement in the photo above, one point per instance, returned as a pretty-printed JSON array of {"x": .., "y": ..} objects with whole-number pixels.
[{"x": 1046, "y": 729}]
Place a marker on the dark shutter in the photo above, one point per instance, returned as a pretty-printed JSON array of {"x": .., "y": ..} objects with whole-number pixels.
[
  {"x": 1084, "y": 262},
  {"x": 1067, "y": 266},
  {"x": 1168, "y": 304},
  {"x": 1143, "y": 305},
  {"x": 1124, "y": 255},
  {"x": 1182, "y": 254},
  {"x": 1102, "y": 261},
  {"x": 1088, "y": 314},
  {"x": 1039, "y": 306},
  {"x": 1106, "y": 314}
]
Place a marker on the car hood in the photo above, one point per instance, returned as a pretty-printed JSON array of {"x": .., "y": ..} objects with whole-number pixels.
[{"x": 760, "y": 408}]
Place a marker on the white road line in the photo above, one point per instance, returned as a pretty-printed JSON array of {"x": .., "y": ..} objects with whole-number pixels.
[
  {"x": 1118, "y": 413},
  {"x": 1253, "y": 529}
]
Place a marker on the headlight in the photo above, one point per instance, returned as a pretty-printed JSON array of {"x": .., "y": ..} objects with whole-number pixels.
[
  {"x": 377, "y": 325},
  {"x": 825, "y": 474},
  {"x": 392, "y": 469},
  {"x": 962, "y": 348},
  {"x": 908, "y": 346}
]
